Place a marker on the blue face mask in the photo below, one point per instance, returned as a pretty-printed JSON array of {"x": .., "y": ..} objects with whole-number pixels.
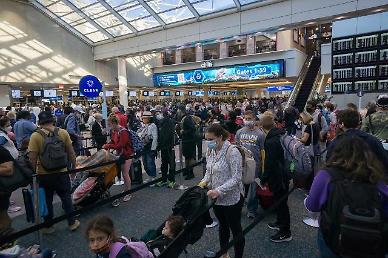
[{"x": 212, "y": 144}]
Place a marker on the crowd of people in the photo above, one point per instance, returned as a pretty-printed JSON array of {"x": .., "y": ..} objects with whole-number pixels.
[{"x": 348, "y": 144}]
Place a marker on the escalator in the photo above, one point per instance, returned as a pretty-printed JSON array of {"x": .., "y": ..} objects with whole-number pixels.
[{"x": 307, "y": 84}]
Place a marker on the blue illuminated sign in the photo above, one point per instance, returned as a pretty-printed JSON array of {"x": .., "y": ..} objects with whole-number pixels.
[
  {"x": 246, "y": 72},
  {"x": 280, "y": 88},
  {"x": 90, "y": 86}
]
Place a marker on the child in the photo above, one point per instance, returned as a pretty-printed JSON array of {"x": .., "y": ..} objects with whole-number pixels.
[
  {"x": 174, "y": 225},
  {"x": 102, "y": 235}
]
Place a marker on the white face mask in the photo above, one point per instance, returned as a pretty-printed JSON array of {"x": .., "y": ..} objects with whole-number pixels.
[{"x": 159, "y": 116}]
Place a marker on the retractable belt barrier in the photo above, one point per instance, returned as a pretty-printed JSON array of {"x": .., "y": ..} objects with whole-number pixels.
[
  {"x": 32, "y": 229},
  {"x": 256, "y": 221}
]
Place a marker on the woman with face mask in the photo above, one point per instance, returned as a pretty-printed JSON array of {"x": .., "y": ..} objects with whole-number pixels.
[
  {"x": 5, "y": 141},
  {"x": 101, "y": 235},
  {"x": 223, "y": 177}
]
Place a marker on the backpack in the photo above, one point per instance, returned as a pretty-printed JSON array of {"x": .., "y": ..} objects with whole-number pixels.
[
  {"x": 53, "y": 155},
  {"x": 296, "y": 155},
  {"x": 135, "y": 249},
  {"x": 190, "y": 205},
  {"x": 352, "y": 222},
  {"x": 137, "y": 143},
  {"x": 248, "y": 163}
]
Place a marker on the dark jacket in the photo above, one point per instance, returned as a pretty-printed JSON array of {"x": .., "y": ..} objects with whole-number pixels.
[
  {"x": 166, "y": 138},
  {"x": 274, "y": 172},
  {"x": 375, "y": 145},
  {"x": 97, "y": 135},
  {"x": 158, "y": 245},
  {"x": 188, "y": 136}
]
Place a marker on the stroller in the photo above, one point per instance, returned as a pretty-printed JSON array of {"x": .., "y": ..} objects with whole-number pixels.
[
  {"x": 193, "y": 206},
  {"x": 92, "y": 185}
]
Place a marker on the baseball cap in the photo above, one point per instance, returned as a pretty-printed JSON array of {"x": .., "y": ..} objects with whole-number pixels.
[{"x": 382, "y": 101}]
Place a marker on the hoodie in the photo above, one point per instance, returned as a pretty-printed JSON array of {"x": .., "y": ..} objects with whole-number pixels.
[{"x": 274, "y": 172}]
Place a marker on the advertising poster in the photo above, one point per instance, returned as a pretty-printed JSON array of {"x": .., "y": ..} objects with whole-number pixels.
[{"x": 245, "y": 72}]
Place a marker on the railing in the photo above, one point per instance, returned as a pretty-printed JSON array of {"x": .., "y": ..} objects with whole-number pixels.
[
  {"x": 316, "y": 85},
  {"x": 299, "y": 82}
]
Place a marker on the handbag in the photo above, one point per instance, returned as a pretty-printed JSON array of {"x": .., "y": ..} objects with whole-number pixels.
[{"x": 21, "y": 177}]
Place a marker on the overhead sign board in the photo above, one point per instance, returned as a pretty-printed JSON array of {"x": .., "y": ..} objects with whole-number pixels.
[
  {"x": 280, "y": 88},
  {"x": 244, "y": 72}
]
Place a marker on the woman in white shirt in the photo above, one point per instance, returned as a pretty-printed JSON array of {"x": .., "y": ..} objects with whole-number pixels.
[{"x": 223, "y": 177}]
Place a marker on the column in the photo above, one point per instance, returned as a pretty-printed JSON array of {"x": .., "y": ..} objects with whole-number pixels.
[
  {"x": 206, "y": 93},
  {"x": 178, "y": 56},
  {"x": 198, "y": 52},
  {"x": 223, "y": 50},
  {"x": 250, "y": 45},
  {"x": 123, "y": 83}
]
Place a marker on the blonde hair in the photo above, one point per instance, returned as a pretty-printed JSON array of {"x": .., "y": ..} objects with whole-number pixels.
[
  {"x": 306, "y": 117},
  {"x": 11, "y": 115}
]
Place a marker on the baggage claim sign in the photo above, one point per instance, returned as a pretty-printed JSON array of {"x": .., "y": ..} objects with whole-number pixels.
[{"x": 245, "y": 72}]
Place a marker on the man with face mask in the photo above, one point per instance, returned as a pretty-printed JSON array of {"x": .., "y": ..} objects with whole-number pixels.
[
  {"x": 166, "y": 128},
  {"x": 252, "y": 139},
  {"x": 72, "y": 126}
]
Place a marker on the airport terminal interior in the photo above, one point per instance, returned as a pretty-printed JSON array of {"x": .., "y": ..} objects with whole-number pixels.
[{"x": 194, "y": 128}]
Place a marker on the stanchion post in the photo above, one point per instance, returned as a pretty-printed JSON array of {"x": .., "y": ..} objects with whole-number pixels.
[
  {"x": 181, "y": 186},
  {"x": 35, "y": 185}
]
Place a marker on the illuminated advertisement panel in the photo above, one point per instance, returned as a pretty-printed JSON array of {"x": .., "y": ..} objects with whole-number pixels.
[{"x": 245, "y": 72}]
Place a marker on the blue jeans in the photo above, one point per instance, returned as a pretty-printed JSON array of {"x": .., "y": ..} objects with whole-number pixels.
[
  {"x": 323, "y": 248},
  {"x": 149, "y": 163},
  {"x": 253, "y": 201}
]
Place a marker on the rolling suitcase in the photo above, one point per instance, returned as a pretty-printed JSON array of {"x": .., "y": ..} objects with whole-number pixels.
[{"x": 136, "y": 172}]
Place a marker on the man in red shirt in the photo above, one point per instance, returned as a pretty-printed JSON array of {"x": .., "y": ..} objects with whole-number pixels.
[{"x": 123, "y": 119}]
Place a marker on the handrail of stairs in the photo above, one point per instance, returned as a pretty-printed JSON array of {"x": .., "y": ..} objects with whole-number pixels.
[
  {"x": 299, "y": 82},
  {"x": 316, "y": 85}
]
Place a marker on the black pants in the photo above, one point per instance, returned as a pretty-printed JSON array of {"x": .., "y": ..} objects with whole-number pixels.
[
  {"x": 199, "y": 148},
  {"x": 168, "y": 164},
  {"x": 229, "y": 218},
  {"x": 59, "y": 184},
  {"x": 283, "y": 212}
]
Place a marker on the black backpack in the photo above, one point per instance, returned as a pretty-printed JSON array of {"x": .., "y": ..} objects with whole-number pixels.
[
  {"x": 352, "y": 221},
  {"x": 53, "y": 155},
  {"x": 191, "y": 206}
]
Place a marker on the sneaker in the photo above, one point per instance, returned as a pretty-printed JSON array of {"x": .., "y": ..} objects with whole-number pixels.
[
  {"x": 281, "y": 237},
  {"x": 274, "y": 226},
  {"x": 161, "y": 184},
  {"x": 171, "y": 185},
  {"x": 75, "y": 225},
  {"x": 116, "y": 203},
  {"x": 251, "y": 215},
  {"x": 48, "y": 231},
  {"x": 12, "y": 209},
  {"x": 127, "y": 198},
  {"x": 214, "y": 224},
  {"x": 311, "y": 222}
]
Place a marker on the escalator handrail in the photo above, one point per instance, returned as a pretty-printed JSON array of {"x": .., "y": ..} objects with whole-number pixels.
[
  {"x": 300, "y": 80},
  {"x": 315, "y": 86}
]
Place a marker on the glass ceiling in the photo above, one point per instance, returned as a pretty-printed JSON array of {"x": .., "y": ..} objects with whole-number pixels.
[{"x": 99, "y": 20}]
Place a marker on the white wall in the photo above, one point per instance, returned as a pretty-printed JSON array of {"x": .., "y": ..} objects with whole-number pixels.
[
  {"x": 360, "y": 25},
  {"x": 294, "y": 60},
  {"x": 326, "y": 58},
  {"x": 139, "y": 69},
  {"x": 275, "y": 15},
  {"x": 343, "y": 99},
  {"x": 34, "y": 49}
]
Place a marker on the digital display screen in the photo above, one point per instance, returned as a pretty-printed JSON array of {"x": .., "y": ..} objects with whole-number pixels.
[
  {"x": 132, "y": 93},
  {"x": 74, "y": 93},
  {"x": 177, "y": 93},
  {"x": 280, "y": 88},
  {"x": 37, "y": 93},
  {"x": 16, "y": 94},
  {"x": 151, "y": 93},
  {"x": 162, "y": 93},
  {"x": 145, "y": 93},
  {"x": 190, "y": 93},
  {"x": 167, "y": 93},
  {"x": 245, "y": 72},
  {"x": 109, "y": 93},
  {"x": 49, "y": 93}
]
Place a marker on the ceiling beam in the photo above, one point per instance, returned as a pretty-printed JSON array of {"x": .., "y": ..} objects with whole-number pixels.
[
  {"x": 191, "y": 8},
  {"x": 238, "y": 4},
  {"x": 58, "y": 20},
  {"x": 90, "y": 20},
  {"x": 118, "y": 16},
  {"x": 152, "y": 12}
]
